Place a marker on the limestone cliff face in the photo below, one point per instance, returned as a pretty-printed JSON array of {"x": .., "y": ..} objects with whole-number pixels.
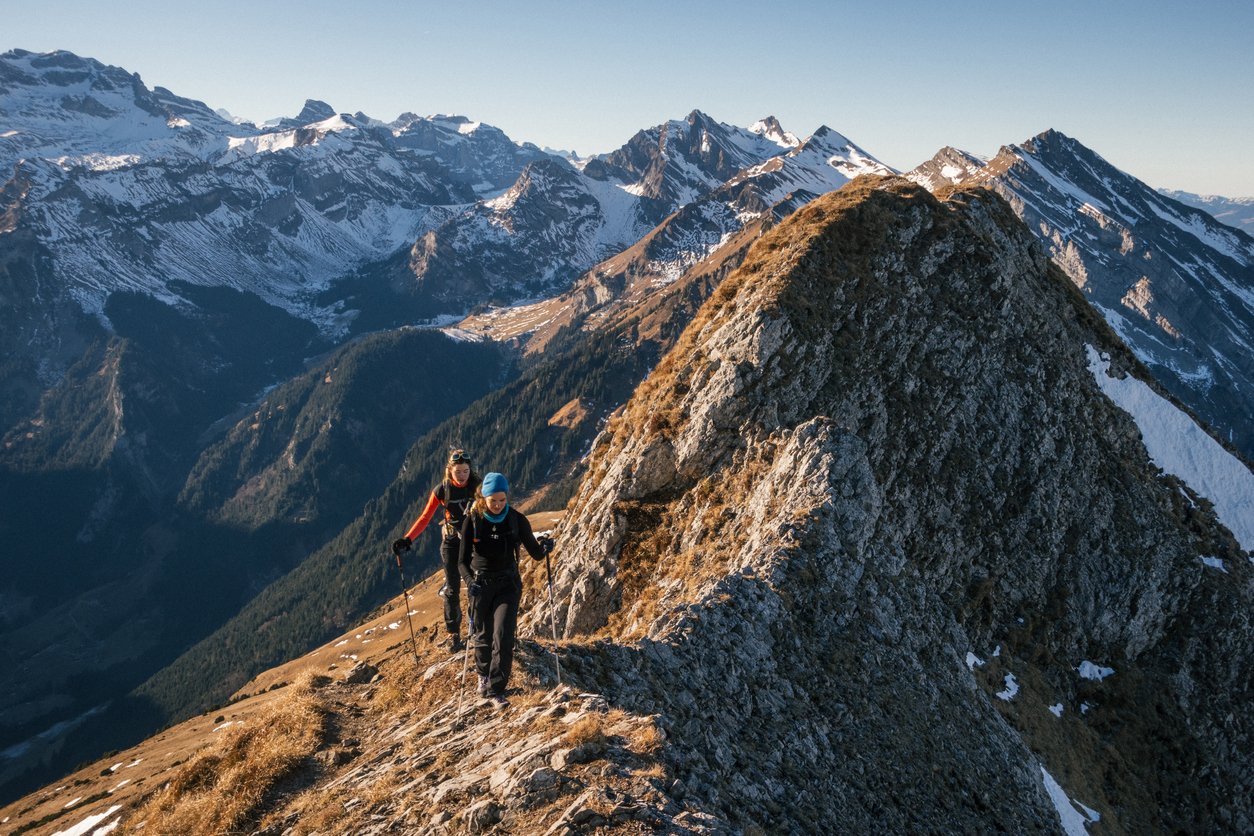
[{"x": 856, "y": 537}]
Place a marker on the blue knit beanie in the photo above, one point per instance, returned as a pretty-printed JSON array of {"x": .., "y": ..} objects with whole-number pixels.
[{"x": 492, "y": 483}]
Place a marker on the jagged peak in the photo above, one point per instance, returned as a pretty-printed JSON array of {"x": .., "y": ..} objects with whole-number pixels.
[
  {"x": 825, "y": 137},
  {"x": 315, "y": 110},
  {"x": 770, "y": 128},
  {"x": 1051, "y": 136},
  {"x": 947, "y": 167},
  {"x": 697, "y": 117},
  {"x": 1057, "y": 150},
  {"x": 952, "y": 152},
  {"x": 1052, "y": 141},
  {"x": 767, "y": 125}
]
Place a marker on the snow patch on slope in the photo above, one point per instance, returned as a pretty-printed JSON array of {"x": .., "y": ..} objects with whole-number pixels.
[
  {"x": 1179, "y": 446},
  {"x": 1218, "y": 239},
  {"x": 89, "y": 824},
  {"x": 1074, "y": 823}
]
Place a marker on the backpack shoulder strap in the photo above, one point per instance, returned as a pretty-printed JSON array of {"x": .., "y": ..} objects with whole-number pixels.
[{"x": 514, "y": 537}]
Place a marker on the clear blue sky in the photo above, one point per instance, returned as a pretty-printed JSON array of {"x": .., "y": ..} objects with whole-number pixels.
[{"x": 1163, "y": 90}]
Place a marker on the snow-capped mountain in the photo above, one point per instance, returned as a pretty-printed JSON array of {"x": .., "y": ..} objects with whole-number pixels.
[
  {"x": 113, "y": 187},
  {"x": 82, "y": 113},
  {"x": 562, "y": 217},
  {"x": 675, "y": 162},
  {"x": 769, "y": 128},
  {"x": 549, "y": 226},
  {"x": 824, "y": 162},
  {"x": 532, "y": 238},
  {"x": 1236, "y": 212},
  {"x": 1176, "y": 284}
]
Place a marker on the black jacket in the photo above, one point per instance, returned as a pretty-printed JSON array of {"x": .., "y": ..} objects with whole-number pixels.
[{"x": 493, "y": 547}]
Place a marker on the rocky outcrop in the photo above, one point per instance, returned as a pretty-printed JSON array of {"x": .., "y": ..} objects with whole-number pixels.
[{"x": 865, "y": 539}]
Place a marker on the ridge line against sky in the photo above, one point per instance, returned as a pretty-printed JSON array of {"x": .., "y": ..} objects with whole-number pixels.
[{"x": 1161, "y": 90}]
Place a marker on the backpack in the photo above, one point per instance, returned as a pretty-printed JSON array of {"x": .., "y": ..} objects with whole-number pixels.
[{"x": 450, "y": 529}]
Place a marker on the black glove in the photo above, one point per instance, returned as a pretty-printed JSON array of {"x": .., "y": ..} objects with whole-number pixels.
[
  {"x": 475, "y": 588},
  {"x": 546, "y": 544},
  {"x": 401, "y": 545}
]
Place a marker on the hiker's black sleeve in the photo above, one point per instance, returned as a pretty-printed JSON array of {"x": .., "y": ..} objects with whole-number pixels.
[
  {"x": 467, "y": 549},
  {"x": 528, "y": 539}
]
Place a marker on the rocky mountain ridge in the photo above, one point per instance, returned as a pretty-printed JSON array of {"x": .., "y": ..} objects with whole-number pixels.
[{"x": 834, "y": 494}]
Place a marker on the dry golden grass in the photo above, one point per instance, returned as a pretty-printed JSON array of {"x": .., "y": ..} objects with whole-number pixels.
[
  {"x": 400, "y": 681},
  {"x": 646, "y": 740},
  {"x": 319, "y": 811},
  {"x": 226, "y": 787},
  {"x": 587, "y": 730},
  {"x": 382, "y": 792},
  {"x": 390, "y": 695},
  {"x": 344, "y": 809},
  {"x": 654, "y": 770}
]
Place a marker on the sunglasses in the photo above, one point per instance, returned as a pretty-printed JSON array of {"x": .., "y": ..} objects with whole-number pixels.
[{"x": 459, "y": 457}]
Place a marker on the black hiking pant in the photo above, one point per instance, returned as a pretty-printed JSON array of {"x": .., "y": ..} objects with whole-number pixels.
[
  {"x": 496, "y": 615},
  {"x": 450, "y": 550}
]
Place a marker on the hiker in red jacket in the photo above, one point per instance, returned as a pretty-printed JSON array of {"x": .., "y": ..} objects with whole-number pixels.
[{"x": 455, "y": 494}]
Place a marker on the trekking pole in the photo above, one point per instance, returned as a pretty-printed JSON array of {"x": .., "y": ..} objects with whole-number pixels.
[
  {"x": 413, "y": 641},
  {"x": 461, "y": 692},
  {"x": 553, "y": 619}
]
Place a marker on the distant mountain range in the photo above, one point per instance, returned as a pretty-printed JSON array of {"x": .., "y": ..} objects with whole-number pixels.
[
  {"x": 1235, "y": 212},
  {"x": 232, "y": 356}
]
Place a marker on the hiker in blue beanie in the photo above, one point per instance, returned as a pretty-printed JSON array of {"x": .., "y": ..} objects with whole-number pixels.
[{"x": 492, "y": 535}]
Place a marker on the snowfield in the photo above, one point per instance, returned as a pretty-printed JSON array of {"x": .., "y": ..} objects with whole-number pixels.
[{"x": 1179, "y": 446}]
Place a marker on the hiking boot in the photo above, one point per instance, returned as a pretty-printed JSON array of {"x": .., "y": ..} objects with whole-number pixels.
[
  {"x": 484, "y": 687},
  {"x": 499, "y": 701},
  {"x": 453, "y": 644}
]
